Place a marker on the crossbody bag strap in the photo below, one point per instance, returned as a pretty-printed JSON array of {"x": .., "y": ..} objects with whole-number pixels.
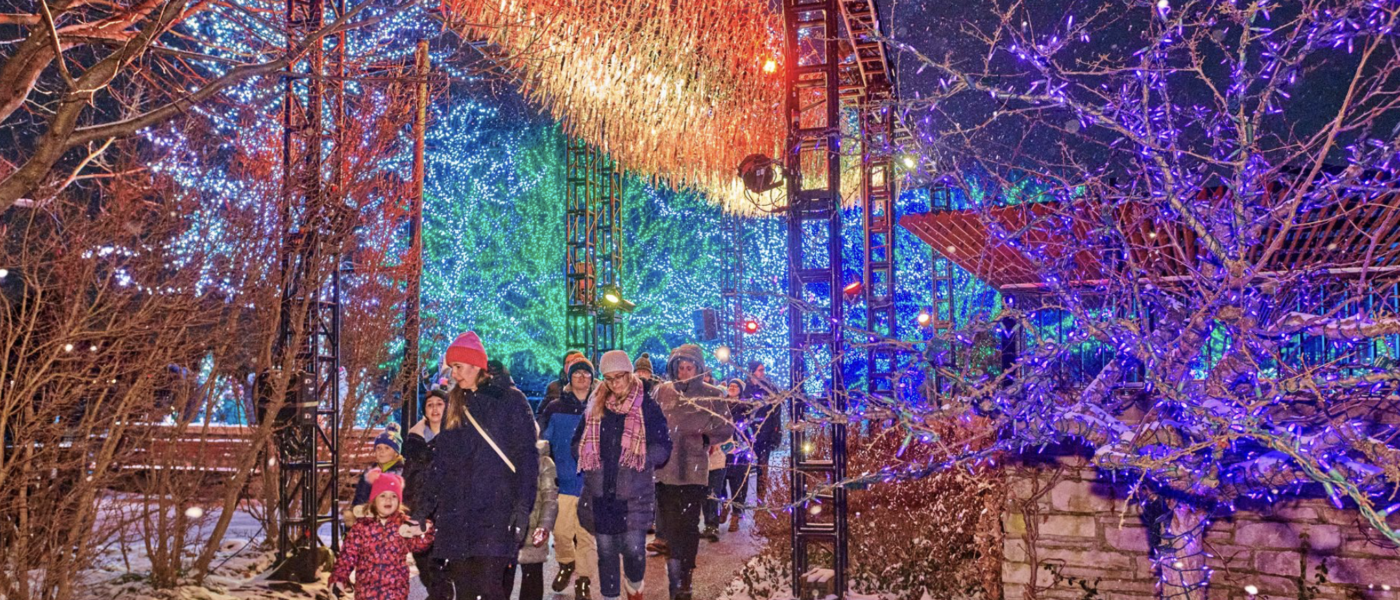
[{"x": 492, "y": 442}]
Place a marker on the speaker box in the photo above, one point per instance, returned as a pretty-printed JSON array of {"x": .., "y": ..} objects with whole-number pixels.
[{"x": 706, "y": 325}]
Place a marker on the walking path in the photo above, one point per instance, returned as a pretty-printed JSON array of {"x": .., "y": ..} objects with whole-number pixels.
[{"x": 717, "y": 566}]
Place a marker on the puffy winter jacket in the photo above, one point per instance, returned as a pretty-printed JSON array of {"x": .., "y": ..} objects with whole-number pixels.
[
  {"x": 479, "y": 505},
  {"x": 377, "y": 554},
  {"x": 546, "y": 508},
  {"x": 558, "y": 422}
]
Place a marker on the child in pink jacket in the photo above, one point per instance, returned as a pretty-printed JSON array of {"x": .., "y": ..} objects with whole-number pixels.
[{"x": 377, "y": 547}]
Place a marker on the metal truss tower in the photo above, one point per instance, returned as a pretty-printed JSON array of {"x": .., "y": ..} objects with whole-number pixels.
[
  {"x": 813, "y": 164},
  {"x": 593, "y": 248},
  {"x": 307, "y": 434},
  {"x": 943, "y": 322},
  {"x": 877, "y": 131}
]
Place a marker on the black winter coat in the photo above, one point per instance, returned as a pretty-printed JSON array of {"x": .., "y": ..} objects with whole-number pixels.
[
  {"x": 764, "y": 419},
  {"x": 418, "y": 458},
  {"x": 480, "y": 507},
  {"x": 630, "y": 492}
]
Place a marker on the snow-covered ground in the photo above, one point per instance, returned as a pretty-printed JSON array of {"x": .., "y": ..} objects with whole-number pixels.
[
  {"x": 241, "y": 565},
  {"x": 238, "y": 570}
]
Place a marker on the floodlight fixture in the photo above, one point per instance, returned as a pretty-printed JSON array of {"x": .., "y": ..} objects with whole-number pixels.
[
  {"x": 612, "y": 299},
  {"x": 760, "y": 173}
]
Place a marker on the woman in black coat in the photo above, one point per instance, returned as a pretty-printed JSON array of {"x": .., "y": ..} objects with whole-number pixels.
[
  {"x": 418, "y": 458},
  {"x": 619, "y": 443},
  {"x": 765, "y": 422},
  {"x": 481, "y": 487}
]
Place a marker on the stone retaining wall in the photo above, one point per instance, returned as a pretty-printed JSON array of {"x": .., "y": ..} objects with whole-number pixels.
[{"x": 1085, "y": 535}]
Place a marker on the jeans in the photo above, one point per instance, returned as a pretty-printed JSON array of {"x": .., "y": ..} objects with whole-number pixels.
[
  {"x": 715, "y": 497},
  {"x": 477, "y": 578},
  {"x": 531, "y": 581},
  {"x": 629, "y": 549}
]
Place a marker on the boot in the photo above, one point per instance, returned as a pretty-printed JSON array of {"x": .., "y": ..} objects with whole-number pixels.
[
  {"x": 711, "y": 533},
  {"x": 633, "y": 592},
  {"x": 561, "y": 581},
  {"x": 659, "y": 548},
  {"x": 581, "y": 589},
  {"x": 734, "y": 523},
  {"x": 724, "y": 512}
]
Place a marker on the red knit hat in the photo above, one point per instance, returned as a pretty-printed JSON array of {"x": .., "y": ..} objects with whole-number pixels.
[
  {"x": 387, "y": 482},
  {"x": 466, "y": 349}
]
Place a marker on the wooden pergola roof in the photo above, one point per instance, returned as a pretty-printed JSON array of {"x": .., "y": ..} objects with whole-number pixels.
[{"x": 1344, "y": 237}]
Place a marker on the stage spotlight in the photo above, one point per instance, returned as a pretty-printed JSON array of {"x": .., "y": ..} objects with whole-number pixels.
[
  {"x": 770, "y": 66},
  {"x": 612, "y": 298},
  {"x": 909, "y": 162},
  {"x": 759, "y": 173},
  {"x": 924, "y": 318},
  {"x": 722, "y": 354},
  {"x": 750, "y": 326},
  {"x": 852, "y": 289}
]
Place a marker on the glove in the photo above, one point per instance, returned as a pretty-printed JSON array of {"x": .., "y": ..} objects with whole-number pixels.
[
  {"x": 412, "y": 529},
  {"x": 519, "y": 527}
]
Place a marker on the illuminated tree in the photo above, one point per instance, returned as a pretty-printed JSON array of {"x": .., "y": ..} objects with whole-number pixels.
[
  {"x": 1191, "y": 207},
  {"x": 105, "y": 71},
  {"x": 494, "y": 245}
]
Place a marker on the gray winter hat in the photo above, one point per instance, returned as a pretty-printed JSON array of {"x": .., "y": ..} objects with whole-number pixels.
[{"x": 614, "y": 361}]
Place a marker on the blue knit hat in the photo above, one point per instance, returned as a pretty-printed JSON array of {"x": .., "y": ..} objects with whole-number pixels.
[{"x": 390, "y": 438}]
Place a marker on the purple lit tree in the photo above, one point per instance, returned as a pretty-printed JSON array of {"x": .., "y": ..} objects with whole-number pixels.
[{"x": 1191, "y": 212}]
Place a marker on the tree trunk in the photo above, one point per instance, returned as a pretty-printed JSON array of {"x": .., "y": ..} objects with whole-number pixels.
[{"x": 1179, "y": 558}]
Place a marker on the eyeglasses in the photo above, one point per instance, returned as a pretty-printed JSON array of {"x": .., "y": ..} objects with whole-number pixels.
[{"x": 611, "y": 377}]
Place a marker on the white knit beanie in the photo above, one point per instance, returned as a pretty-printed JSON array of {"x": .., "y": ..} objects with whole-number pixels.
[{"x": 614, "y": 361}]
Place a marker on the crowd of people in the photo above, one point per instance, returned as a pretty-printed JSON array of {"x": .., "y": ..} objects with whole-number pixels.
[{"x": 481, "y": 483}]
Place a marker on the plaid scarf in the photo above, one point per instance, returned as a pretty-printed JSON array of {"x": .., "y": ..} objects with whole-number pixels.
[{"x": 633, "y": 430}]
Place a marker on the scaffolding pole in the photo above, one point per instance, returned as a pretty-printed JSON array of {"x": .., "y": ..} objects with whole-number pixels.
[
  {"x": 813, "y": 164},
  {"x": 412, "y": 361}
]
